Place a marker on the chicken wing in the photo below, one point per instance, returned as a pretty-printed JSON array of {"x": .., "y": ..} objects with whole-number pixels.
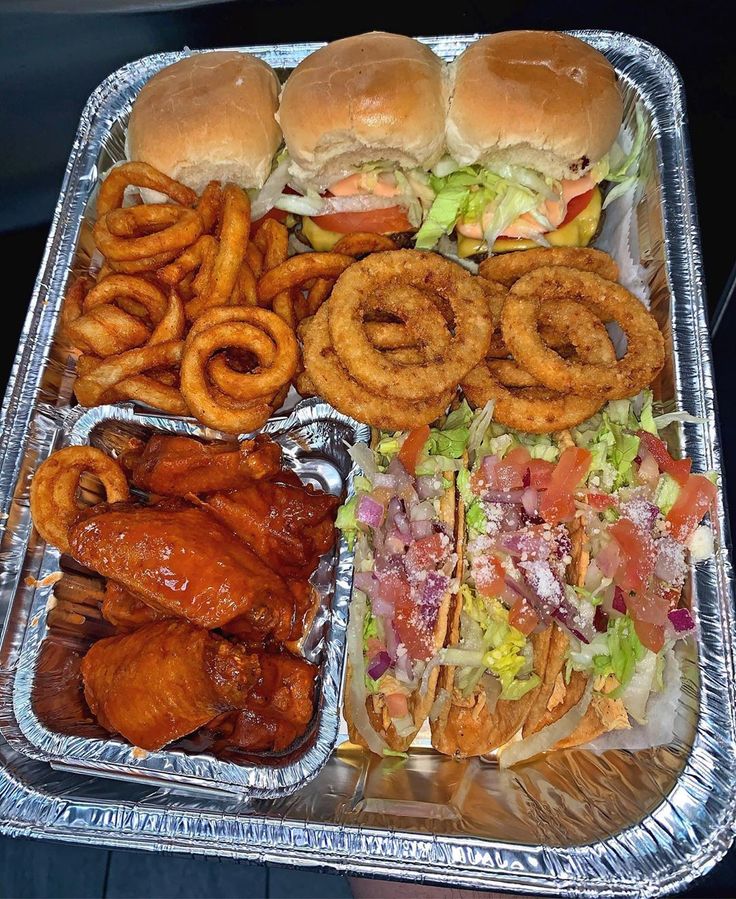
[
  {"x": 125, "y": 611},
  {"x": 165, "y": 680},
  {"x": 177, "y": 466},
  {"x": 184, "y": 563},
  {"x": 278, "y": 708},
  {"x": 287, "y": 527}
]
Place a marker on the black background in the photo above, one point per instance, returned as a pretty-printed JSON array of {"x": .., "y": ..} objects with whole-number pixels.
[{"x": 50, "y": 63}]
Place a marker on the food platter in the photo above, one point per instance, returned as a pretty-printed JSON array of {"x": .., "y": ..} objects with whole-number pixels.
[{"x": 563, "y": 824}]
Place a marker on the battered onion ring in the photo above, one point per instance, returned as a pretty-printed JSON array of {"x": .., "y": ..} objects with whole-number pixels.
[
  {"x": 162, "y": 229},
  {"x": 139, "y": 174},
  {"x": 327, "y": 376},
  {"x": 520, "y": 401},
  {"x": 507, "y": 268},
  {"x": 54, "y": 489},
  {"x": 453, "y": 287},
  {"x": 91, "y": 387},
  {"x": 361, "y": 244},
  {"x": 277, "y": 362},
  {"x": 520, "y": 316},
  {"x": 298, "y": 269}
]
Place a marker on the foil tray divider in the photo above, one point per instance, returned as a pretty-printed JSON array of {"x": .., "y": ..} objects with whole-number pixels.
[{"x": 549, "y": 843}]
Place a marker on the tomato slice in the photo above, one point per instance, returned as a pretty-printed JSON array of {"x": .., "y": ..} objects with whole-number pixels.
[
  {"x": 523, "y": 617},
  {"x": 277, "y": 214},
  {"x": 576, "y": 206},
  {"x": 427, "y": 553},
  {"x": 373, "y": 221},
  {"x": 557, "y": 503},
  {"x": 651, "y": 635},
  {"x": 511, "y": 471},
  {"x": 696, "y": 496},
  {"x": 679, "y": 469},
  {"x": 411, "y": 448},
  {"x": 489, "y": 576},
  {"x": 412, "y": 630},
  {"x": 396, "y": 704},
  {"x": 600, "y": 501},
  {"x": 637, "y": 559},
  {"x": 540, "y": 473}
]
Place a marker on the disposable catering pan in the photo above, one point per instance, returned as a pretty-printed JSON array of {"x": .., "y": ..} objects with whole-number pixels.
[{"x": 573, "y": 823}]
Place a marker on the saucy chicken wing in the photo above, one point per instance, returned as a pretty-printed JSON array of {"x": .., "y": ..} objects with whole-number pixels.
[
  {"x": 178, "y": 466},
  {"x": 183, "y": 563},
  {"x": 286, "y": 526},
  {"x": 125, "y": 611},
  {"x": 165, "y": 680}
]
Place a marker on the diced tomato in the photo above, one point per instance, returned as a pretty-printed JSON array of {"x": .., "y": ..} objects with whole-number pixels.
[
  {"x": 650, "y": 607},
  {"x": 523, "y": 617},
  {"x": 412, "y": 630},
  {"x": 511, "y": 471},
  {"x": 411, "y": 448},
  {"x": 374, "y": 221},
  {"x": 489, "y": 576},
  {"x": 679, "y": 469},
  {"x": 427, "y": 553},
  {"x": 638, "y": 556},
  {"x": 277, "y": 214},
  {"x": 396, "y": 704},
  {"x": 540, "y": 473},
  {"x": 695, "y": 498},
  {"x": 576, "y": 206},
  {"x": 557, "y": 503},
  {"x": 651, "y": 635},
  {"x": 600, "y": 501},
  {"x": 392, "y": 586},
  {"x": 373, "y": 647}
]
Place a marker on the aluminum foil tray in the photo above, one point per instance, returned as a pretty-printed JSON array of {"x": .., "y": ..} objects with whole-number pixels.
[
  {"x": 53, "y": 724},
  {"x": 573, "y": 823}
]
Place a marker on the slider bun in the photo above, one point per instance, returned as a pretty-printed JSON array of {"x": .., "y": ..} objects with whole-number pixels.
[
  {"x": 208, "y": 116},
  {"x": 372, "y": 97},
  {"x": 539, "y": 99}
]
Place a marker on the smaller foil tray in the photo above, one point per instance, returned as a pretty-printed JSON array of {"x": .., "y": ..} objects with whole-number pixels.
[{"x": 52, "y": 721}]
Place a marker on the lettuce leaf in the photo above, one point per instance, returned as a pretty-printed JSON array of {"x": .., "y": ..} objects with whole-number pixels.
[
  {"x": 452, "y": 438},
  {"x": 666, "y": 493},
  {"x": 346, "y": 521},
  {"x": 475, "y": 519}
]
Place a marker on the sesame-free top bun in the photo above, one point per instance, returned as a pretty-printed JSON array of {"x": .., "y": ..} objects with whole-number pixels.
[
  {"x": 209, "y": 116},
  {"x": 539, "y": 99},
  {"x": 366, "y": 98}
]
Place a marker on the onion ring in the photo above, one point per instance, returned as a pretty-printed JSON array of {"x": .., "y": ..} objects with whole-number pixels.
[
  {"x": 139, "y": 174},
  {"x": 298, "y": 269},
  {"x": 54, "y": 488},
  {"x": 452, "y": 286},
  {"x": 163, "y": 229},
  {"x": 326, "y": 374},
  {"x": 520, "y": 316},
  {"x": 507, "y": 268}
]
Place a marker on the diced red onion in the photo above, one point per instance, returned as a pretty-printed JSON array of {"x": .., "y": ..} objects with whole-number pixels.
[
  {"x": 567, "y": 616},
  {"x": 600, "y": 620},
  {"x": 530, "y": 501},
  {"x": 511, "y": 519},
  {"x": 521, "y": 588},
  {"x": 379, "y": 665},
  {"x": 397, "y": 470},
  {"x": 395, "y": 543},
  {"x": 681, "y": 620},
  {"x": 619, "y": 601},
  {"x": 670, "y": 566},
  {"x": 382, "y": 607},
  {"x": 434, "y": 590},
  {"x": 489, "y": 465},
  {"x": 402, "y": 525},
  {"x": 384, "y": 480},
  {"x": 404, "y": 665},
  {"x": 534, "y": 546},
  {"x": 428, "y": 487},
  {"x": 389, "y": 634},
  {"x": 364, "y": 580},
  {"x": 505, "y": 497},
  {"x": 421, "y": 528},
  {"x": 369, "y": 511},
  {"x": 423, "y": 511},
  {"x": 608, "y": 559}
]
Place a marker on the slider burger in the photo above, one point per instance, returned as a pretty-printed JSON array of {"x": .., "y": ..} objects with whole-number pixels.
[
  {"x": 363, "y": 121},
  {"x": 532, "y": 120},
  {"x": 210, "y": 116}
]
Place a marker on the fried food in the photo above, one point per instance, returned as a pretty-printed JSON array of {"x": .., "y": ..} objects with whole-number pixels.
[
  {"x": 171, "y": 465},
  {"x": 233, "y": 239},
  {"x": 184, "y": 563},
  {"x": 232, "y": 401},
  {"x": 521, "y": 402},
  {"x": 139, "y": 174},
  {"x": 164, "y": 681},
  {"x": 610, "y": 302},
  {"x": 125, "y": 611},
  {"x": 507, "y": 268},
  {"x": 199, "y": 255},
  {"x": 146, "y": 232},
  {"x": 450, "y": 287},
  {"x": 54, "y": 505},
  {"x": 361, "y": 244},
  {"x": 297, "y": 270},
  {"x": 107, "y": 331},
  {"x": 331, "y": 380}
]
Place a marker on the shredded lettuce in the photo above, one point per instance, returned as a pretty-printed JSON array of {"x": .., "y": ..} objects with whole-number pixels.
[
  {"x": 475, "y": 519},
  {"x": 478, "y": 427},
  {"x": 346, "y": 521},
  {"x": 389, "y": 445},
  {"x": 625, "y": 173},
  {"x": 452, "y": 438},
  {"x": 462, "y": 483},
  {"x": 609, "y": 438},
  {"x": 666, "y": 493},
  {"x": 614, "y": 653}
]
